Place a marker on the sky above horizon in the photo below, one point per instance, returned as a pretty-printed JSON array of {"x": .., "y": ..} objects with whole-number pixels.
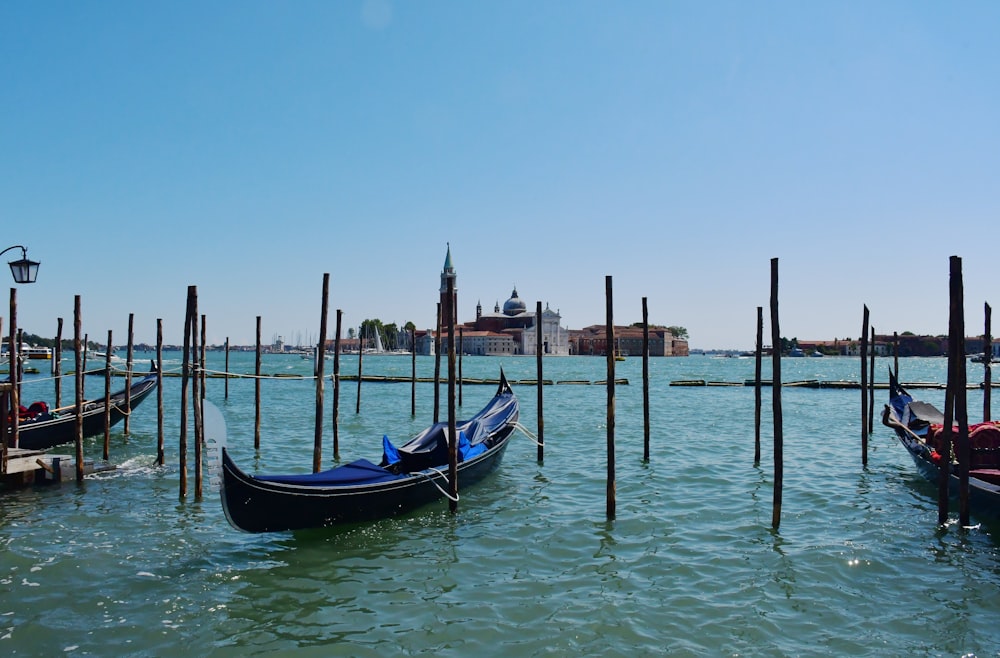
[{"x": 248, "y": 148}]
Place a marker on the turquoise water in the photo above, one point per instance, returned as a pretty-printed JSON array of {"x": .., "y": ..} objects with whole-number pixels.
[{"x": 529, "y": 566}]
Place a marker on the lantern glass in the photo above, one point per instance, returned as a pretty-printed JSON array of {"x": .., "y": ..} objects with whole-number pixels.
[{"x": 24, "y": 270}]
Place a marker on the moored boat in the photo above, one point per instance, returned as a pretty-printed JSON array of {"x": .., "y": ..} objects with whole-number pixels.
[
  {"x": 41, "y": 428},
  {"x": 406, "y": 478},
  {"x": 918, "y": 426}
]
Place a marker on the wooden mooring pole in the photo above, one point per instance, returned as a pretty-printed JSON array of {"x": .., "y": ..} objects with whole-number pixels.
[
  {"x": 461, "y": 350},
  {"x": 107, "y": 400},
  {"x": 957, "y": 382},
  {"x": 609, "y": 333},
  {"x": 757, "y": 384},
  {"x": 361, "y": 352},
  {"x": 413, "y": 371},
  {"x": 13, "y": 363},
  {"x": 437, "y": 365},
  {"x": 539, "y": 375},
  {"x": 159, "y": 392},
  {"x": 871, "y": 382},
  {"x": 225, "y": 386},
  {"x": 336, "y": 387},
  {"x": 318, "y": 368},
  {"x": 128, "y": 373},
  {"x": 185, "y": 376},
  {"x": 57, "y": 366},
  {"x": 196, "y": 400},
  {"x": 77, "y": 330},
  {"x": 203, "y": 371},
  {"x": 987, "y": 360},
  {"x": 864, "y": 387},
  {"x": 452, "y": 429},
  {"x": 645, "y": 380},
  {"x": 256, "y": 393},
  {"x": 779, "y": 440}
]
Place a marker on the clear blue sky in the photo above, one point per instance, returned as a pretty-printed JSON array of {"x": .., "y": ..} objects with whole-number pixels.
[{"x": 249, "y": 147}]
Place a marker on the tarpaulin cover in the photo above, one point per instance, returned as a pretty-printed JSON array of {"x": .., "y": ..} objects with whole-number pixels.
[
  {"x": 430, "y": 448},
  {"x": 361, "y": 471}
]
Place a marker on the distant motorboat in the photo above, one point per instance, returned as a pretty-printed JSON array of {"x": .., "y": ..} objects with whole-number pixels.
[
  {"x": 796, "y": 352},
  {"x": 817, "y": 353}
]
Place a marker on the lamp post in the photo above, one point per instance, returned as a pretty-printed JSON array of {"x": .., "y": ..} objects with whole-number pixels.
[{"x": 23, "y": 270}]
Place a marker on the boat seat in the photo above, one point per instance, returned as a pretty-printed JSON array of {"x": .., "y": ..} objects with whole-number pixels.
[{"x": 984, "y": 446}]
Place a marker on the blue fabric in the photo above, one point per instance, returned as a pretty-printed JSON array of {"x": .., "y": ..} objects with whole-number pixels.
[
  {"x": 390, "y": 455},
  {"x": 466, "y": 450},
  {"x": 357, "y": 472}
]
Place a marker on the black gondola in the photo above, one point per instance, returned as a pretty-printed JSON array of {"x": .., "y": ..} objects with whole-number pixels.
[
  {"x": 40, "y": 428},
  {"x": 918, "y": 427},
  {"x": 407, "y": 477}
]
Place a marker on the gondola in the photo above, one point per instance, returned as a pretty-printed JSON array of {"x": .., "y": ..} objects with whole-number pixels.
[
  {"x": 406, "y": 478},
  {"x": 918, "y": 426},
  {"x": 41, "y": 428}
]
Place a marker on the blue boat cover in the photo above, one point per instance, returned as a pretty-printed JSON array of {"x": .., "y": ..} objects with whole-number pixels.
[
  {"x": 429, "y": 449},
  {"x": 357, "y": 472}
]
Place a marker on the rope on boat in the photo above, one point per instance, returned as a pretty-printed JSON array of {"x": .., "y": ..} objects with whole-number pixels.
[
  {"x": 524, "y": 430},
  {"x": 444, "y": 477}
]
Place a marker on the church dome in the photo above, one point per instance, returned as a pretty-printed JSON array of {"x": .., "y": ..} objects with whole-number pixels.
[{"x": 514, "y": 305}]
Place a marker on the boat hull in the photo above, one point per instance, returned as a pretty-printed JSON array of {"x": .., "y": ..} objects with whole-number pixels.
[
  {"x": 254, "y": 505},
  {"x": 985, "y": 496}
]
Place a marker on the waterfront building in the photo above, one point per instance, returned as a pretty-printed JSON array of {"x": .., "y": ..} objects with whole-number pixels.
[{"x": 593, "y": 341}]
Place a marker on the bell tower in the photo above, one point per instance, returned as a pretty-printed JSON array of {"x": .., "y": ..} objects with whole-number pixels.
[{"x": 448, "y": 272}]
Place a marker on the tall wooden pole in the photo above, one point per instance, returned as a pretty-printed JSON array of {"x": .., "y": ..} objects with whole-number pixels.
[
  {"x": 864, "y": 388},
  {"x": 336, "y": 387},
  {"x": 779, "y": 436},
  {"x": 128, "y": 374},
  {"x": 203, "y": 372},
  {"x": 957, "y": 348},
  {"x": 199, "y": 428},
  {"x": 107, "y": 400},
  {"x": 128, "y": 371},
  {"x": 645, "y": 380},
  {"x": 226, "y": 376},
  {"x": 461, "y": 351},
  {"x": 77, "y": 330},
  {"x": 987, "y": 360},
  {"x": 452, "y": 430},
  {"x": 437, "y": 365},
  {"x": 185, "y": 377},
  {"x": 13, "y": 359},
  {"x": 361, "y": 353},
  {"x": 57, "y": 373},
  {"x": 413, "y": 372},
  {"x": 20, "y": 361},
  {"x": 757, "y": 383},
  {"x": 159, "y": 391},
  {"x": 256, "y": 393},
  {"x": 320, "y": 367},
  {"x": 539, "y": 377},
  {"x": 871, "y": 383},
  {"x": 609, "y": 332}
]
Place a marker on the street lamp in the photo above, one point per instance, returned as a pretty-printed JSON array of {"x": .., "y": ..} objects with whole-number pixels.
[{"x": 23, "y": 270}]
